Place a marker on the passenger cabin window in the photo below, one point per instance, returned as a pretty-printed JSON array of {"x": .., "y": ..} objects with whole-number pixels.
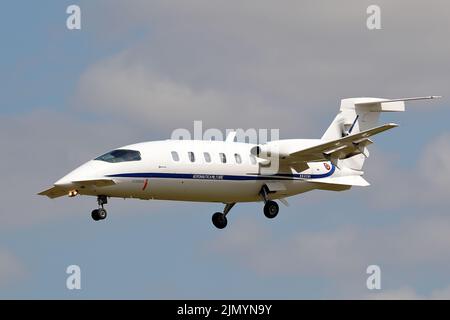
[
  {"x": 252, "y": 159},
  {"x": 191, "y": 156},
  {"x": 238, "y": 158},
  {"x": 223, "y": 157},
  {"x": 175, "y": 156},
  {"x": 207, "y": 157},
  {"x": 120, "y": 155}
]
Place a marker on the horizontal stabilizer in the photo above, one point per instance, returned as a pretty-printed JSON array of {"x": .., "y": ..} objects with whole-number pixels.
[{"x": 380, "y": 105}]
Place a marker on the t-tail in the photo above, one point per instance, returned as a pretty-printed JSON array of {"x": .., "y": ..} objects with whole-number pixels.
[{"x": 362, "y": 114}]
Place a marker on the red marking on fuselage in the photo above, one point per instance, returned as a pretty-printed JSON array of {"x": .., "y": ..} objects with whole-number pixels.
[{"x": 145, "y": 185}]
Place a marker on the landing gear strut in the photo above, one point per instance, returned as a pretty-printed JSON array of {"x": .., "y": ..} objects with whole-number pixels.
[
  {"x": 219, "y": 219},
  {"x": 270, "y": 207},
  {"x": 100, "y": 213}
]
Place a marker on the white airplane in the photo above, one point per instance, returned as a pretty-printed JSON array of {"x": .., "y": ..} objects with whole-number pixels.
[{"x": 230, "y": 172}]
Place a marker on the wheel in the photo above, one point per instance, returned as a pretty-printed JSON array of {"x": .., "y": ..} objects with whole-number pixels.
[
  {"x": 271, "y": 209},
  {"x": 102, "y": 214},
  {"x": 219, "y": 220},
  {"x": 95, "y": 215}
]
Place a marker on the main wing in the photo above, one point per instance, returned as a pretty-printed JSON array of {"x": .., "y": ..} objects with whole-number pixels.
[{"x": 343, "y": 148}]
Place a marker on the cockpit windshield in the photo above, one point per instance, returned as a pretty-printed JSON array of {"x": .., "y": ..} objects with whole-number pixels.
[{"x": 120, "y": 155}]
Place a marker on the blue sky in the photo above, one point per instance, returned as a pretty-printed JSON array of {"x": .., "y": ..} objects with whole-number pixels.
[{"x": 137, "y": 70}]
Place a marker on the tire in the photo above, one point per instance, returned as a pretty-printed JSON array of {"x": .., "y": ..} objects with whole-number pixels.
[
  {"x": 95, "y": 215},
  {"x": 271, "y": 209},
  {"x": 219, "y": 220},
  {"x": 102, "y": 214}
]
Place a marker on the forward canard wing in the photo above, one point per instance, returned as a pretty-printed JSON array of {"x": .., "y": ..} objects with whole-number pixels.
[
  {"x": 54, "y": 192},
  {"x": 63, "y": 190},
  {"x": 95, "y": 183}
]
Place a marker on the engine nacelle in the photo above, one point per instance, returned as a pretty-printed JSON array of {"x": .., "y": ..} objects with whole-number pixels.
[
  {"x": 273, "y": 152},
  {"x": 268, "y": 151}
]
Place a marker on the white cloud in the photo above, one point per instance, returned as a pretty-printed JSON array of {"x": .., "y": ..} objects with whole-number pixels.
[
  {"x": 435, "y": 166},
  {"x": 39, "y": 148},
  {"x": 424, "y": 184},
  {"x": 305, "y": 51},
  {"x": 342, "y": 255},
  {"x": 272, "y": 64},
  {"x": 127, "y": 89},
  {"x": 405, "y": 293},
  {"x": 441, "y": 294},
  {"x": 409, "y": 293},
  {"x": 10, "y": 268}
]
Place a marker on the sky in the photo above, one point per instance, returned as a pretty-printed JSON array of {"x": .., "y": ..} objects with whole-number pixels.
[{"x": 137, "y": 70}]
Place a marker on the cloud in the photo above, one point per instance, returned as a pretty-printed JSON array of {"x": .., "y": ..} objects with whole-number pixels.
[
  {"x": 435, "y": 166},
  {"x": 408, "y": 293},
  {"x": 341, "y": 255},
  {"x": 118, "y": 86},
  {"x": 299, "y": 53},
  {"x": 441, "y": 294},
  {"x": 11, "y": 269},
  {"x": 39, "y": 148},
  {"x": 405, "y": 293},
  {"x": 279, "y": 65},
  {"x": 425, "y": 183},
  {"x": 287, "y": 255}
]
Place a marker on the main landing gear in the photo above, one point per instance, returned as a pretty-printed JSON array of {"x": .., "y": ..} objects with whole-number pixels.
[
  {"x": 219, "y": 219},
  {"x": 270, "y": 207},
  {"x": 271, "y": 210},
  {"x": 100, "y": 213}
]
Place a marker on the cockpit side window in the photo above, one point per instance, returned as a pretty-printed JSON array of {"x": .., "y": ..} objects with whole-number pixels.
[{"x": 120, "y": 155}]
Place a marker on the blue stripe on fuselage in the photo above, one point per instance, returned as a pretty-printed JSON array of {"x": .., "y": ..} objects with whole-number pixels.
[{"x": 197, "y": 176}]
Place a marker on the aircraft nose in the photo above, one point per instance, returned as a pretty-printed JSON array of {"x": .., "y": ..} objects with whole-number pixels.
[
  {"x": 89, "y": 170},
  {"x": 67, "y": 180},
  {"x": 63, "y": 182}
]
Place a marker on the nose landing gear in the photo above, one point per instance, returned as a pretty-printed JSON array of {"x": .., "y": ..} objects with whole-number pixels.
[{"x": 100, "y": 213}]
